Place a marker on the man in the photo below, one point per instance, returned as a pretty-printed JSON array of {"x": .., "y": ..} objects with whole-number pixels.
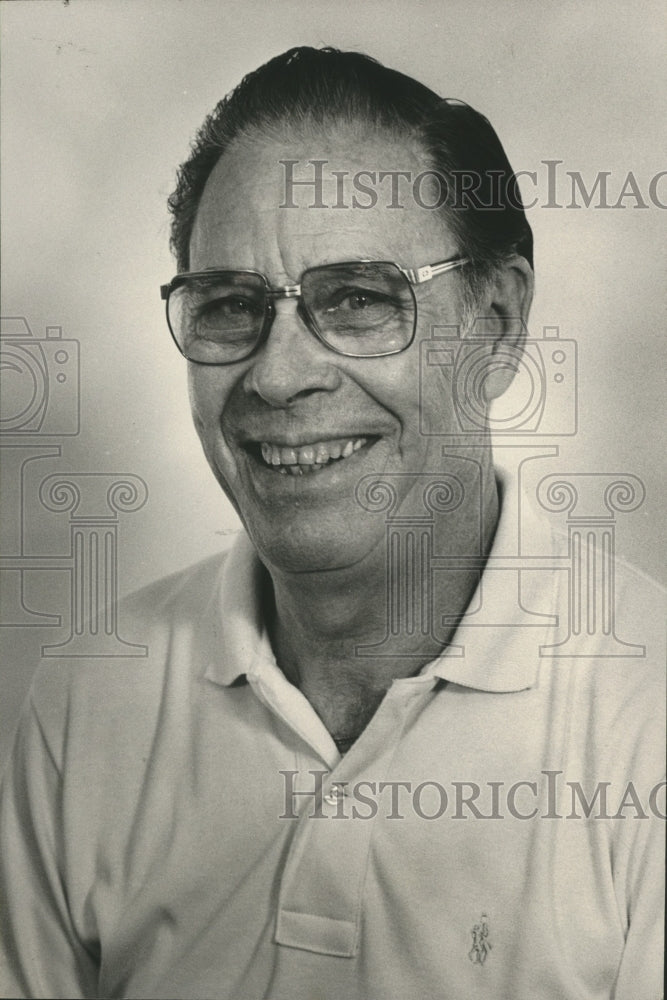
[{"x": 261, "y": 808}]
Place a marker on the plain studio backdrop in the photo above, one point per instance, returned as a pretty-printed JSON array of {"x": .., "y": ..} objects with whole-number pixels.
[{"x": 100, "y": 101}]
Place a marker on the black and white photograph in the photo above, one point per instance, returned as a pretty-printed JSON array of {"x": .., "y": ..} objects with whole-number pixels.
[{"x": 332, "y": 558}]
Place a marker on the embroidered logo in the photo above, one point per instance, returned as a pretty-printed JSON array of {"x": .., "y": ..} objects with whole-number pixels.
[{"x": 481, "y": 946}]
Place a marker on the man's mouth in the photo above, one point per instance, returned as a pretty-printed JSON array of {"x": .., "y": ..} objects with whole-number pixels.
[{"x": 305, "y": 459}]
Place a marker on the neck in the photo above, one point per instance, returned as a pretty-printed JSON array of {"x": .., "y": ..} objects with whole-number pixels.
[{"x": 325, "y": 624}]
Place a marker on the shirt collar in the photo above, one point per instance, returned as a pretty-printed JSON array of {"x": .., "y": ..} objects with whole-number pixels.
[
  {"x": 494, "y": 649},
  {"x": 242, "y": 640}
]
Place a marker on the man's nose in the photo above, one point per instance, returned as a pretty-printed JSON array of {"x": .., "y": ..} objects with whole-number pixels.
[{"x": 292, "y": 363}]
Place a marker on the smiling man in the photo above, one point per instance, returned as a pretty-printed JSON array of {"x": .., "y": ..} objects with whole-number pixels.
[
  {"x": 306, "y": 378},
  {"x": 270, "y": 806}
]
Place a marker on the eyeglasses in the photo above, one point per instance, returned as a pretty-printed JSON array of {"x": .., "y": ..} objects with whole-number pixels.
[{"x": 358, "y": 308}]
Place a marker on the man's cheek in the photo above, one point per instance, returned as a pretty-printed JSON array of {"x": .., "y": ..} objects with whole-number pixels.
[
  {"x": 209, "y": 391},
  {"x": 429, "y": 417},
  {"x": 201, "y": 409}
]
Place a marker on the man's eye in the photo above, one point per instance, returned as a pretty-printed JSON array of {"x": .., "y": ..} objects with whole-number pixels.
[
  {"x": 228, "y": 308},
  {"x": 356, "y": 300},
  {"x": 360, "y": 300}
]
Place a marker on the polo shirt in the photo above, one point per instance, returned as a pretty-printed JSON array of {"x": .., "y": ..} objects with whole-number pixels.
[{"x": 183, "y": 825}]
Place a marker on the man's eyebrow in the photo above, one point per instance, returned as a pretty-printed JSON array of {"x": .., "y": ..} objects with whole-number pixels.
[{"x": 366, "y": 253}]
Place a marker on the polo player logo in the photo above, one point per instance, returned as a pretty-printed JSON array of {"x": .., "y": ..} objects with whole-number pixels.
[{"x": 481, "y": 946}]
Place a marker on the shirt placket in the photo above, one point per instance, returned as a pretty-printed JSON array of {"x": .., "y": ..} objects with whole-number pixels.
[{"x": 321, "y": 892}]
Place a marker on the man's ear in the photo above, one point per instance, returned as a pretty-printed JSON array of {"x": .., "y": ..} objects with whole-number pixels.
[{"x": 508, "y": 301}]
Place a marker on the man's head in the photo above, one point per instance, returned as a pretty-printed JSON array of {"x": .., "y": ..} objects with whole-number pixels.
[
  {"x": 311, "y": 91},
  {"x": 291, "y": 429}
]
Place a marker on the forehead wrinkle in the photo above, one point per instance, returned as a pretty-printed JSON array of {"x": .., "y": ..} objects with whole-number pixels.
[
  {"x": 241, "y": 225},
  {"x": 348, "y": 239}
]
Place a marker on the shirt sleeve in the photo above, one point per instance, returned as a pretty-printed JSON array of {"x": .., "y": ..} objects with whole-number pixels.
[
  {"x": 40, "y": 951},
  {"x": 640, "y": 975}
]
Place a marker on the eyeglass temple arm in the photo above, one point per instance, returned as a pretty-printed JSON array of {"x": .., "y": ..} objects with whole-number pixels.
[{"x": 418, "y": 275}]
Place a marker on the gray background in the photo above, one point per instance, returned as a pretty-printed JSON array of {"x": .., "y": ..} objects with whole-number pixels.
[{"x": 99, "y": 101}]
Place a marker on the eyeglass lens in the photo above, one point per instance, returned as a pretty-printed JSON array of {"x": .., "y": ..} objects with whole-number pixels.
[{"x": 358, "y": 309}]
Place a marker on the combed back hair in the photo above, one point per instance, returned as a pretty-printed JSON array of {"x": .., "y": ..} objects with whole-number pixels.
[{"x": 324, "y": 88}]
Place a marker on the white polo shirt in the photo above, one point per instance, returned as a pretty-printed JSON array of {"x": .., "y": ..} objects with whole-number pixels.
[{"x": 156, "y": 842}]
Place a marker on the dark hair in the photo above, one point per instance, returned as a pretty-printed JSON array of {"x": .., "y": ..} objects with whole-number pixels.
[{"x": 324, "y": 87}]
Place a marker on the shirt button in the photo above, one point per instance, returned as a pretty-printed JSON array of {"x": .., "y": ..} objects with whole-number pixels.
[{"x": 337, "y": 792}]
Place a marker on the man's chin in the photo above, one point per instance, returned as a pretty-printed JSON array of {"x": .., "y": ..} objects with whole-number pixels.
[
  {"x": 305, "y": 547},
  {"x": 308, "y": 521}
]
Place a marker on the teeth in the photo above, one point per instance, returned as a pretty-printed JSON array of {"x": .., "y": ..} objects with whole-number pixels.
[
  {"x": 306, "y": 455},
  {"x": 309, "y": 458}
]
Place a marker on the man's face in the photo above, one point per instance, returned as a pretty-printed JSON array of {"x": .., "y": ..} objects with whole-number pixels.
[{"x": 295, "y": 398}]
